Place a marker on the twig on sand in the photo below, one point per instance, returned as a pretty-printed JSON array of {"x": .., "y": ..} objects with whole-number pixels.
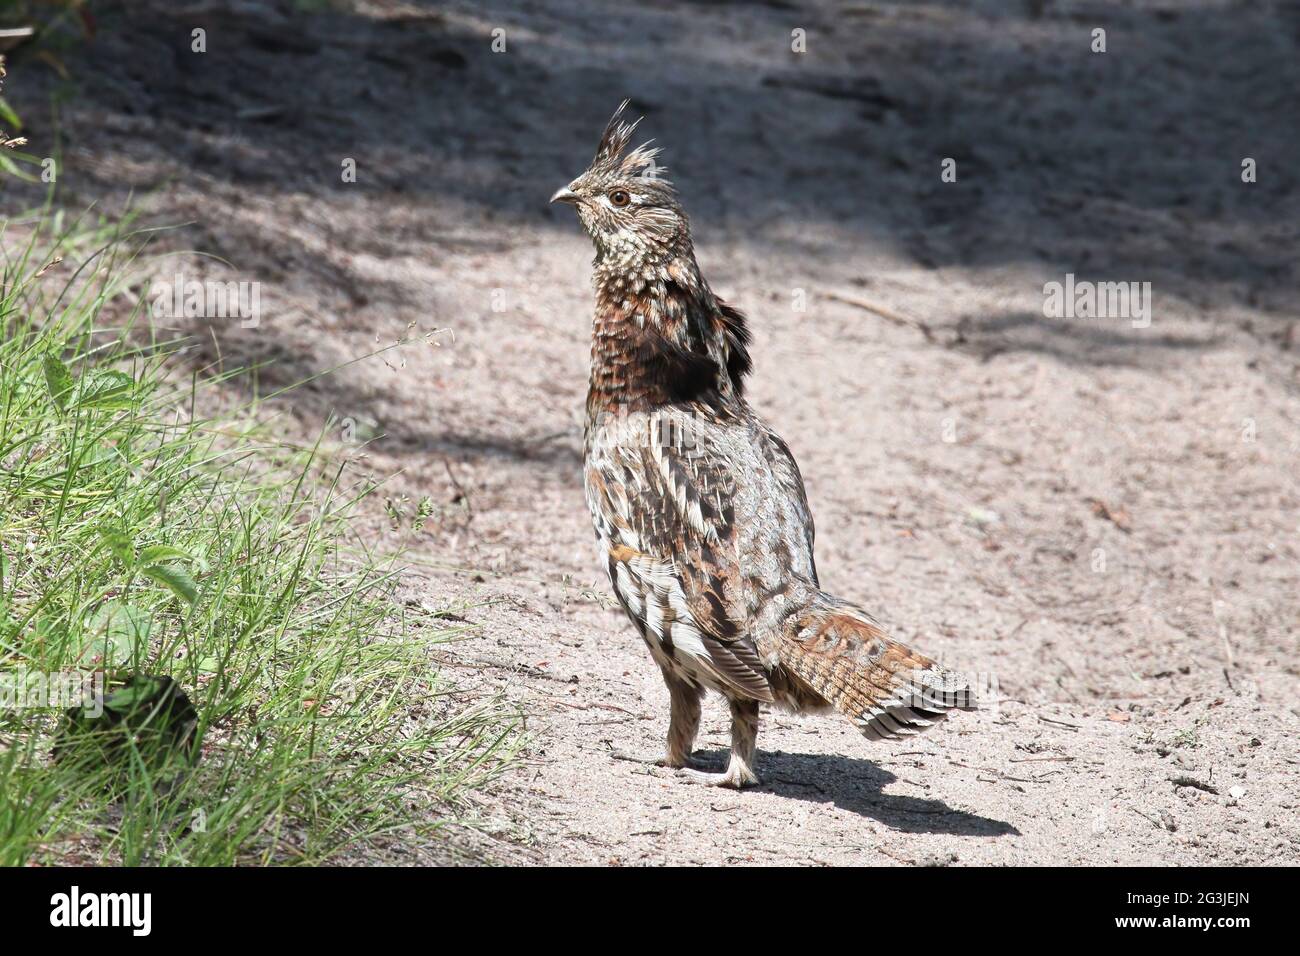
[
  {"x": 1057, "y": 723},
  {"x": 1215, "y": 603},
  {"x": 1186, "y": 781},
  {"x": 565, "y": 703},
  {"x": 811, "y": 785},
  {"x": 887, "y": 314},
  {"x": 1155, "y": 823},
  {"x": 1007, "y": 776},
  {"x": 631, "y": 758},
  {"x": 1119, "y": 517},
  {"x": 906, "y": 861},
  {"x": 999, "y": 774},
  {"x": 461, "y": 494}
]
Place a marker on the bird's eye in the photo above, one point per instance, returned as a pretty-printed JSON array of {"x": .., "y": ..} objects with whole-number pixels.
[{"x": 619, "y": 198}]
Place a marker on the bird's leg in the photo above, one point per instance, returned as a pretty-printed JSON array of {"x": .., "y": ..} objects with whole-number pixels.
[
  {"x": 744, "y": 740},
  {"x": 683, "y": 722}
]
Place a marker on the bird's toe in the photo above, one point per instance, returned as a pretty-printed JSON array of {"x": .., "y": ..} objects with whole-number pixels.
[
  {"x": 731, "y": 778},
  {"x": 668, "y": 761},
  {"x": 678, "y": 762}
]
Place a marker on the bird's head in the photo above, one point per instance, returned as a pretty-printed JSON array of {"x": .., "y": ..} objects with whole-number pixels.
[{"x": 630, "y": 213}]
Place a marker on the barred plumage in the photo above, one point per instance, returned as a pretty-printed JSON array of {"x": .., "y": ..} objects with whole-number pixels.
[{"x": 698, "y": 505}]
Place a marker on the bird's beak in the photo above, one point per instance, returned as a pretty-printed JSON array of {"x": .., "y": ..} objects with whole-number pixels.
[{"x": 565, "y": 195}]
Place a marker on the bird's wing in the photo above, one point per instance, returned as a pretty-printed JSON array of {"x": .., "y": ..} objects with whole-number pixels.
[
  {"x": 666, "y": 515},
  {"x": 789, "y": 481}
]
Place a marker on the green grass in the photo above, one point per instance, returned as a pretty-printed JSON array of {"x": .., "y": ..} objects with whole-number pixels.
[{"x": 138, "y": 537}]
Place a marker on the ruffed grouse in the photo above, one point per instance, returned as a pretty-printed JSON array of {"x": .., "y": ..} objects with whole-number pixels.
[{"x": 699, "y": 507}]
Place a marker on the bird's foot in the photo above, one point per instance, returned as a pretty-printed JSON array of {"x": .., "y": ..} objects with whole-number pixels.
[
  {"x": 667, "y": 760},
  {"x": 736, "y": 775}
]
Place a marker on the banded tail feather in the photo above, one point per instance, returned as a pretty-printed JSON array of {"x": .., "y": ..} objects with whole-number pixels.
[{"x": 887, "y": 689}]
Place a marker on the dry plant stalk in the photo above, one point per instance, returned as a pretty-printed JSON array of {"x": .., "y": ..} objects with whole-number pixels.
[{"x": 5, "y": 141}]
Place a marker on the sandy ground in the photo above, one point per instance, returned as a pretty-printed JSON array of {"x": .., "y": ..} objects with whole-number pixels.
[{"x": 1100, "y": 519}]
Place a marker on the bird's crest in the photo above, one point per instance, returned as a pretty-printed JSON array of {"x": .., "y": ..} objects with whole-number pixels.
[{"x": 614, "y": 142}]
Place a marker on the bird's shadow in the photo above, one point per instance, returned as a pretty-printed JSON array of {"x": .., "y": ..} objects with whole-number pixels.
[{"x": 858, "y": 786}]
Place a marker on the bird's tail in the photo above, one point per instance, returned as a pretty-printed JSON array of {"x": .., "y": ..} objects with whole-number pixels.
[{"x": 887, "y": 689}]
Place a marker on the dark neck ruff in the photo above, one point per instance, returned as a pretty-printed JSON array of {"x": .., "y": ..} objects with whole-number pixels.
[{"x": 663, "y": 340}]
